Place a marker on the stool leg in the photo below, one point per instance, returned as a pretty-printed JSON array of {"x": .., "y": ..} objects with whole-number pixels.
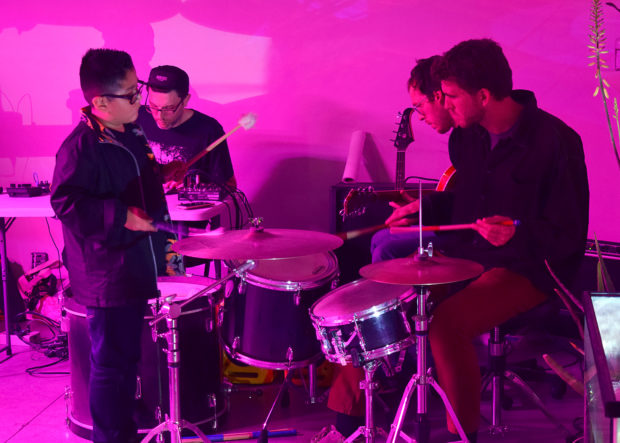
[{"x": 497, "y": 366}]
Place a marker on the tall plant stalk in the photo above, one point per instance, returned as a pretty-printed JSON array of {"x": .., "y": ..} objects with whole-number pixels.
[{"x": 597, "y": 47}]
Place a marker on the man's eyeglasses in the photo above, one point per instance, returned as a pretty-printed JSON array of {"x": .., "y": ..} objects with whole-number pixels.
[
  {"x": 132, "y": 97},
  {"x": 168, "y": 110},
  {"x": 416, "y": 107}
]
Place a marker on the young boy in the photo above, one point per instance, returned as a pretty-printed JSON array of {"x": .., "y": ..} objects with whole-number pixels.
[{"x": 107, "y": 191}]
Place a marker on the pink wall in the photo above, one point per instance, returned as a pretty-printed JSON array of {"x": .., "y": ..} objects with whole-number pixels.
[{"x": 313, "y": 71}]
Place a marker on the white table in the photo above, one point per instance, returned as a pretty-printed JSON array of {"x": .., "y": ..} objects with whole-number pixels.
[{"x": 13, "y": 207}]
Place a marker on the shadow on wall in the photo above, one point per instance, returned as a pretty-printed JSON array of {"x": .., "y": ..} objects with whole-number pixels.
[{"x": 296, "y": 195}]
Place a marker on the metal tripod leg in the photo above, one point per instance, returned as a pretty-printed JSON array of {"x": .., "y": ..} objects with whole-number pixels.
[
  {"x": 421, "y": 381},
  {"x": 175, "y": 431},
  {"x": 369, "y": 430},
  {"x": 496, "y": 378},
  {"x": 263, "y": 438},
  {"x": 414, "y": 383},
  {"x": 516, "y": 381},
  {"x": 173, "y": 423}
]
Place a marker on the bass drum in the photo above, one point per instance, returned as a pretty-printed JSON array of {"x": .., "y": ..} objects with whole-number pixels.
[
  {"x": 199, "y": 374},
  {"x": 264, "y": 322}
]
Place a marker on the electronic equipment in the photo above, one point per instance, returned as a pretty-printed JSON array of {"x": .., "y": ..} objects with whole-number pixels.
[
  {"x": 28, "y": 190},
  {"x": 200, "y": 192}
]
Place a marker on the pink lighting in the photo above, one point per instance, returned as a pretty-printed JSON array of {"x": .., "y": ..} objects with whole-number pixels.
[
  {"x": 313, "y": 72},
  {"x": 223, "y": 67}
]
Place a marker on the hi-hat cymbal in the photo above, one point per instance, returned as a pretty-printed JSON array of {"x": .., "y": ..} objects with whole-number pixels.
[
  {"x": 422, "y": 271},
  {"x": 256, "y": 244}
]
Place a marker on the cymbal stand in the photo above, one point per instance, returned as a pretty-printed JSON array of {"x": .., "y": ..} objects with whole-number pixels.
[
  {"x": 369, "y": 386},
  {"x": 421, "y": 381},
  {"x": 264, "y": 433},
  {"x": 171, "y": 312}
]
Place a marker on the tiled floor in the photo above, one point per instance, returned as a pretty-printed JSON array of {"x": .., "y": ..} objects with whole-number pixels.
[{"x": 33, "y": 409}]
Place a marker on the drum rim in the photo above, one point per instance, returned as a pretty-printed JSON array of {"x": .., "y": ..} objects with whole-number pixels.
[
  {"x": 342, "y": 320},
  {"x": 266, "y": 364},
  {"x": 373, "y": 354},
  {"x": 373, "y": 311},
  {"x": 332, "y": 273}
]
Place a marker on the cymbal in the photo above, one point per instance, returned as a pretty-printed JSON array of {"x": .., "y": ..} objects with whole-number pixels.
[
  {"x": 422, "y": 271},
  {"x": 256, "y": 244}
]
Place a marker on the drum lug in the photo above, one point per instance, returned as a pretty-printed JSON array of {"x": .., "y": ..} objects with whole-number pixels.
[
  {"x": 335, "y": 282},
  {"x": 220, "y": 316},
  {"x": 68, "y": 395},
  {"x": 339, "y": 345},
  {"x": 138, "y": 387},
  {"x": 212, "y": 401},
  {"x": 242, "y": 286},
  {"x": 154, "y": 334},
  {"x": 406, "y": 321},
  {"x": 158, "y": 414},
  {"x": 289, "y": 355},
  {"x": 235, "y": 346},
  {"x": 322, "y": 336},
  {"x": 209, "y": 324},
  {"x": 297, "y": 296},
  {"x": 64, "y": 321},
  {"x": 360, "y": 336}
]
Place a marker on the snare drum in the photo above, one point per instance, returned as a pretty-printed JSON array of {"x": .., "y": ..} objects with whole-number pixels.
[
  {"x": 264, "y": 322},
  {"x": 362, "y": 321},
  {"x": 199, "y": 373}
]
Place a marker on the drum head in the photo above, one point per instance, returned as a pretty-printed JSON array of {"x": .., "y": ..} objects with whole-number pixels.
[
  {"x": 358, "y": 298},
  {"x": 309, "y": 271}
]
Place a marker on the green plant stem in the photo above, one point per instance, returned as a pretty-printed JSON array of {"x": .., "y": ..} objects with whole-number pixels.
[{"x": 611, "y": 130}]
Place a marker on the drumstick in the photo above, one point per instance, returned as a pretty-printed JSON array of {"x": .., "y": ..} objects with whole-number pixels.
[
  {"x": 458, "y": 227},
  {"x": 246, "y": 122},
  {"x": 349, "y": 235}
]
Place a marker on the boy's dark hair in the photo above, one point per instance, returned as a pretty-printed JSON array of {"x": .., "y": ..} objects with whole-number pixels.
[
  {"x": 422, "y": 77},
  {"x": 102, "y": 70},
  {"x": 477, "y": 64}
]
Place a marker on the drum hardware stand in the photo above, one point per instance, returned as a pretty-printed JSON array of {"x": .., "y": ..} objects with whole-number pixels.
[
  {"x": 421, "y": 381},
  {"x": 171, "y": 312},
  {"x": 498, "y": 376},
  {"x": 312, "y": 375},
  {"x": 369, "y": 430},
  {"x": 263, "y": 438}
]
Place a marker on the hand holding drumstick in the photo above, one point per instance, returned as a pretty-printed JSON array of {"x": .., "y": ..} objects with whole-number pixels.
[
  {"x": 497, "y": 229},
  {"x": 175, "y": 173}
]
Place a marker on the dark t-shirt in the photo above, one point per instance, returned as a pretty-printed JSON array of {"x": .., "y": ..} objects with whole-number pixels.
[{"x": 186, "y": 140}]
